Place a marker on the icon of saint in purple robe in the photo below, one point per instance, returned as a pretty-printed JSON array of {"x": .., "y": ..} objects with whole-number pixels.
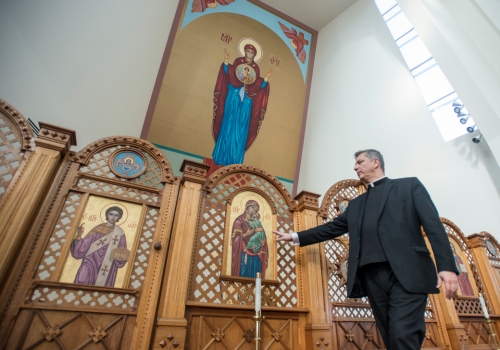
[
  {"x": 250, "y": 251},
  {"x": 102, "y": 251}
]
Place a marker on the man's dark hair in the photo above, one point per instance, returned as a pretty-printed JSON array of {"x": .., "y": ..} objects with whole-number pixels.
[
  {"x": 372, "y": 154},
  {"x": 117, "y": 209}
]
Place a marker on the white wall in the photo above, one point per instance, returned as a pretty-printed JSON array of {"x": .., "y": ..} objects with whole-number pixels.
[
  {"x": 86, "y": 65},
  {"x": 363, "y": 96},
  {"x": 466, "y": 45}
]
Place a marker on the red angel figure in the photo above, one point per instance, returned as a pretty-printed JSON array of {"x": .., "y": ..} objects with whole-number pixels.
[
  {"x": 298, "y": 42},
  {"x": 201, "y": 5}
]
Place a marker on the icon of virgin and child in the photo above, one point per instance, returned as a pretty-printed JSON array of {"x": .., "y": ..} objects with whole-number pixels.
[
  {"x": 103, "y": 251},
  {"x": 240, "y": 103},
  {"x": 250, "y": 252}
]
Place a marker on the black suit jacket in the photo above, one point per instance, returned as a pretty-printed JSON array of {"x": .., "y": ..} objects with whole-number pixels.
[{"x": 404, "y": 208}]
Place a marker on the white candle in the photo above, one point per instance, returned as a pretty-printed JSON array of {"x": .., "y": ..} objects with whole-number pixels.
[
  {"x": 483, "y": 305},
  {"x": 258, "y": 284}
]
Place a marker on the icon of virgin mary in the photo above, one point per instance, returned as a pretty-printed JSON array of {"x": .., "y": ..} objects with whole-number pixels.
[{"x": 250, "y": 251}]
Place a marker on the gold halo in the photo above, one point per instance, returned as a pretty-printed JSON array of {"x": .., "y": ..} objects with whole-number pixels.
[
  {"x": 125, "y": 212},
  {"x": 254, "y": 196},
  {"x": 246, "y": 41}
]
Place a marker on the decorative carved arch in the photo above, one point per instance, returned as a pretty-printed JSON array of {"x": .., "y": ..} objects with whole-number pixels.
[
  {"x": 215, "y": 178},
  {"x": 328, "y": 199},
  {"x": 27, "y": 137},
  {"x": 465, "y": 242},
  {"x": 256, "y": 190},
  {"x": 489, "y": 236},
  {"x": 86, "y": 154}
]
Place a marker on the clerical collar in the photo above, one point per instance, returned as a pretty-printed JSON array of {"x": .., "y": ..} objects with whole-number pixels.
[{"x": 377, "y": 182}]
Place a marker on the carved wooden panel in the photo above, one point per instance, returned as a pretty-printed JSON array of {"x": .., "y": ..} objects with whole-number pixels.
[
  {"x": 477, "y": 332},
  {"x": 205, "y": 285},
  {"x": 16, "y": 138},
  {"x": 353, "y": 322},
  {"x": 228, "y": 331},
  {"x": 51, "y": 329}
]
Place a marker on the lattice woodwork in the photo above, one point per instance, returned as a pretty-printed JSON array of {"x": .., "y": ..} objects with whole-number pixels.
[
  {"x": 123, "y": 192},
  {"x": 468, "y": 306},
  {"x": 46, "y": 329},
  {"x": 472, "y": 306},
  {"x": 345, "y": 190},
  {"x": 144, "y": 249},
  {"x": 58, "y": 238},
  {"x": 205, "y": 285},
  {"x": 73, "y": 296},
  {"x": 99, "y": 166},
  {"x": 239, "y": 333},
  {"x": 16, "y": 137}
]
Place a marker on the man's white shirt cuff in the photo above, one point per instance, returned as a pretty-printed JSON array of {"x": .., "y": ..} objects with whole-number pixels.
[{"x": 295, "y": 238}]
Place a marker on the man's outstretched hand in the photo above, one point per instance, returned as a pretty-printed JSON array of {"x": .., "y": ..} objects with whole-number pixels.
[
  {"x": 283, "y": 236},
  {"x": 450, "y": 281}
]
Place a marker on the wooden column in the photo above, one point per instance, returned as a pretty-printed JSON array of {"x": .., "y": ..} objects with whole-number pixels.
[
  {"x": 488, "y": 279},
  {"x": 457, "y": 336},
  {"x": 318, "y": 335},
  {"x": 171, "y": 323},
  {"x": 485, "y": 270},
  {"x": 22, "y": 205}
]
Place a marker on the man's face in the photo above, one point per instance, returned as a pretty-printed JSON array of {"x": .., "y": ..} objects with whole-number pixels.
[
  {"x": 249, "y": 54},
  {"x": 113, "y": 217},
  {"x": 365, "y": 168}
]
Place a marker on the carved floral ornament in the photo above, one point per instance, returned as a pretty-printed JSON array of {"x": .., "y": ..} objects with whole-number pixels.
[
  {"x": 28, "y": 138},
  {"x": 86, "y": 154},
  {"x": 224, "y": 172}
]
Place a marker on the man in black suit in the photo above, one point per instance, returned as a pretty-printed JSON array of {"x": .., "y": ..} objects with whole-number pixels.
[{"x": 388, "y": 259}]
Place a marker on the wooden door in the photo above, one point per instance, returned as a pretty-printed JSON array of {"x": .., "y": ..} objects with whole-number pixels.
[{"x": 83, "y": 280}]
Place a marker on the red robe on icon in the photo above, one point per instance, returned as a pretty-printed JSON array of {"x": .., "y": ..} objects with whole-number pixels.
[{"x": 255, "y": 91}]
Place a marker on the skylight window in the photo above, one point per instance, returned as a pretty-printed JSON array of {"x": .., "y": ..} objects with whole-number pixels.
[{"x": 434, "y": 86}]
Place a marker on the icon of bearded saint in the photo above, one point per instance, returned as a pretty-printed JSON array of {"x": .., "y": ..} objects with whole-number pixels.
[{"x": 201, "y": 5}]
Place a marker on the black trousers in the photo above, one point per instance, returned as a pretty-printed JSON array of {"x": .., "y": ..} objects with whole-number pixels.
[{"x": 399, "y": 314}]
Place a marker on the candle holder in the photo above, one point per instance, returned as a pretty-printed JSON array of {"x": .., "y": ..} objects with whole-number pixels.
[
  {"x": 493, "y": 334},
  {"x": 488, "y": 321},
  {"x": 258, "y": 313},
  {"x": 258, "y": 319}
]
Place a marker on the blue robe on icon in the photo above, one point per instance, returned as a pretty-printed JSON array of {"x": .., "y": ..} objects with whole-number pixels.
[{"x": 239, "y": 110}]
